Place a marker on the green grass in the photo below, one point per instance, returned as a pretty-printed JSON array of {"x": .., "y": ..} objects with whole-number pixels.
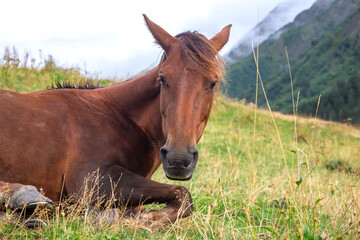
[
  {"x": 18, "y": 76},
  {"x": 241, "y": 188}
]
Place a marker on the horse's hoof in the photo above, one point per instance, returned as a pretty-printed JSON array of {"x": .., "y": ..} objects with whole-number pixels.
[
  {"x": 35, "y": 223},
  {"x": 28, "y": 197},
  {"x": 131, "y": 213},
  {"x": 29, "y": 209},
  {"x": 107, "y": 217}
]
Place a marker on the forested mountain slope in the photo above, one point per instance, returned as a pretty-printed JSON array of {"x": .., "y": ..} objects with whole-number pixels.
[{"x": 324, "y": 51}]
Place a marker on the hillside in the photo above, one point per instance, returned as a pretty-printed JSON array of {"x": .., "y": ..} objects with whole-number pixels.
[
  {"x": 323, "y": 46},
  {"x": 282, "y": 14},
  {"x": 29, "y": 76}
]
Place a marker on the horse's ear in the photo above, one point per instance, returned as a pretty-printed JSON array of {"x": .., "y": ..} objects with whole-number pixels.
[
  {"x": 220, "y": 39},
  {"x": 161, "y": 36}
]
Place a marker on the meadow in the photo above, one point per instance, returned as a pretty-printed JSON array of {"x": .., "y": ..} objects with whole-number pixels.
[{"x": 260, "y": 175}]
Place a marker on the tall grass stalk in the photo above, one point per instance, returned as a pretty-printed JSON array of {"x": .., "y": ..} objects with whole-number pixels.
[{"x": 272, "y": 117}]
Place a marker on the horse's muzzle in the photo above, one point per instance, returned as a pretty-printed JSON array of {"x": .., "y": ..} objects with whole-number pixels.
[{"x": 179, "y": 165}]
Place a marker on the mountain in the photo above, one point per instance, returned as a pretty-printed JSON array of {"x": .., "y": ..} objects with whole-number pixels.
[
  {"x": 281, "y": 15},
  {"x": 324, "y": 51}
]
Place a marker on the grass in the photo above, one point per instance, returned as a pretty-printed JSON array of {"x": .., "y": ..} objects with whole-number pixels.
[
  {"x": 246, "y": 186},
  {"x": 20, "y": 76}
]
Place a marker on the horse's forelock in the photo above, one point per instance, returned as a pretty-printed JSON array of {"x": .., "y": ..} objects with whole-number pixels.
[{"x": 197, "y": 50}]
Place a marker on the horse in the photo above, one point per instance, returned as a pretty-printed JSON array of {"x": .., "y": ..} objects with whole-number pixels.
[{"x": 53, "y": 139}]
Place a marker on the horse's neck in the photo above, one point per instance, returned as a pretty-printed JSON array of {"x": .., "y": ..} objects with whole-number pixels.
[{"x": 139, "y": 99}]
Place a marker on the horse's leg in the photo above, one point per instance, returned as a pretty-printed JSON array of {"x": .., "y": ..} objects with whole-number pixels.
[
  {"x": 2, "y": 200},
  {"x": 136, "y": 190},
  {"x": 18, "y": 197}
]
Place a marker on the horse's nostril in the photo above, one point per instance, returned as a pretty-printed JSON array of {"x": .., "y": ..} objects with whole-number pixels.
[
  {"x": 194, "y": 154},
  {"x": 163, "y": 153},
  {"x": 187, "y": 162}
]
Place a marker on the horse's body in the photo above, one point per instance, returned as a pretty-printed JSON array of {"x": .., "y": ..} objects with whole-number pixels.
[
  {"x": 53, "y": 139},
  {"x": 65, "y": 134}
]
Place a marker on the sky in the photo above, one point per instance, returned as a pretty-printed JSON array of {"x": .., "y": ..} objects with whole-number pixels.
[{"x": 108, "y": 38}]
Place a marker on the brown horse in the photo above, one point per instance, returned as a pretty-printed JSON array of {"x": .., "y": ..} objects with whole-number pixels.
[{"x": 53, "y": 139}]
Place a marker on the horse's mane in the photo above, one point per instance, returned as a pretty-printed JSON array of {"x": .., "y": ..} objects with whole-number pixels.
[
  {"x": 197, "y": 50},
  {"x": 87, "y": 84}
]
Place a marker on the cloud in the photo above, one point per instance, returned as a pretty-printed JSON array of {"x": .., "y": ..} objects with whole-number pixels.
[{"x": 109, "y": 34}]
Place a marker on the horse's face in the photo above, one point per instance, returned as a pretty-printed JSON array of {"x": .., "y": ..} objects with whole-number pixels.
[{"x": 186, "y": 95}]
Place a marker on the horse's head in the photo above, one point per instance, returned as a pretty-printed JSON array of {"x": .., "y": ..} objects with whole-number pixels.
[{"x": 189, "y": 72}]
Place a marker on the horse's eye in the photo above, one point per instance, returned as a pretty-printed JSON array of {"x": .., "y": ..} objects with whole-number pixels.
[
  {"x": 212, "y": 85},
  {"x": 162, "y": 80}
]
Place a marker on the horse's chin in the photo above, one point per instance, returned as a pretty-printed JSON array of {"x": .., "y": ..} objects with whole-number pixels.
[
  {"x": 179, "y": 178},
  {"x": 178, "y": 174}
]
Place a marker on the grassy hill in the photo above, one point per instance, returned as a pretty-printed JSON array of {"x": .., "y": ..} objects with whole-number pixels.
[
  {"x": 20, "y": 76},
  {"x": 263, "y": 176},
  {"x": 324, "y": 50}
]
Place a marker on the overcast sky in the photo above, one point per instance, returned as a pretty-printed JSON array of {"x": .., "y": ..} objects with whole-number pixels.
[{"x": 109, "y": 37}]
